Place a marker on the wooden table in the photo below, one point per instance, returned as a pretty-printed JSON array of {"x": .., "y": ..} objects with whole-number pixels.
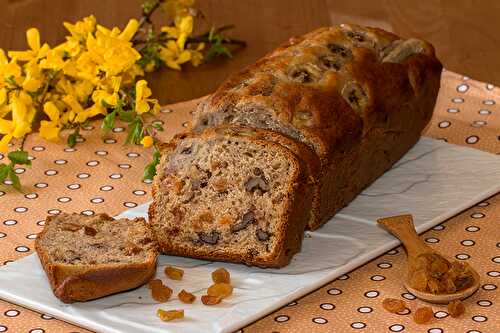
[{"x": 464, "y": 32}]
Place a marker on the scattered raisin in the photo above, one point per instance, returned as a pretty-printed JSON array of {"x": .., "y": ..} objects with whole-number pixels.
[
  {"x": 68, "y": 226},
  {"x": 186, "y": 297},
  {"x": 247, "y": 219},
  {"x": 259, "y": 184},
  {"x": 393, "y": 305},
  {"x": 212, "y": 238},
  {"x": 170, "y": 314},
  {"x": 222, "y": 290},
  {"x": 186, "y": 151},
  {"x": 132, "y": 249},
  {"x": 331, "y": 62},
  {"x": 89, "y": 231},
  {"x": 456, "y": 308},
  {"x": 221, "y": 275},
  {"x": 423, "y": 315},
  {"x": 262, "y": 235},
  {"x": 302, "y": 76},
  {"x": 339, "y": 49},
  {"x": 174, "y": 273},
  {"x": 160, "y": 292},
  {"x": 210, "y": 300}
]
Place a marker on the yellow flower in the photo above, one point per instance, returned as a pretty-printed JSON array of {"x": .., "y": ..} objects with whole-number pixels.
[
  {"x": 129, "y": 30},
  {"x": 147, "y": 141},
  {"x": 36, "y": 52},
  {"x": 178, "y": 7},
  {"x": 173, "y": 56},
  {"x": 6, "y": 126},
  {"x": 3, "y": 97},
  {"x": 181, "y": 31},
  {"x": 4, "y": 143},
  {"x": 142, "y": 92},
  {"x": 54, "y": 60},
  {"x": 34, "y": 77},
  {"x": 81, "y": 29},
  {"x": 49, "y": 130},
  {"x": 90, "y": 112},
  {"x": 21, "y": 117}
]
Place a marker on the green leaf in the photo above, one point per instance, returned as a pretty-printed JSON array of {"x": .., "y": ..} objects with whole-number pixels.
[
  {"x": 109, "y": 121},
  {"x": 16, "y": 183},
  {"x": 135, "y": 131},
  {"x": 157, "y": 126},
  {"x": 19, "y": 157},
  {"x": 126, "y": 116},
  {"x": 150, "y": 169},
  {"x": 71, "y": 141},
  {"x": 4, "y": 172}
]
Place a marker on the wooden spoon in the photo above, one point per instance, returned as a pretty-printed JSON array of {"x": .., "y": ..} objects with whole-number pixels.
[{"x": 402, "y": 227}]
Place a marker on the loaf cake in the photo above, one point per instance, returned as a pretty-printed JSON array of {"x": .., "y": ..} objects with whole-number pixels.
[
  {"x": 358, "y": 96},
  {"x": 87, "y": 257},
  {"x": 228, "y": 195}
]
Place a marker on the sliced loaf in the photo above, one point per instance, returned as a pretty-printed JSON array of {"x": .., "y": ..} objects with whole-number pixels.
[
  {"x": 226, "y": 196},
  {"x": 87, "y": 257}
]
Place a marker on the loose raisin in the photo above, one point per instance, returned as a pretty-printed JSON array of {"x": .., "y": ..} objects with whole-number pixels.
[
  {"x": 159, "y": 291},
  {"x": 210, "y": 300},
  {"x": 222, "y": 290},
  {"x": 423, "y": 315},
  {"x": 174, "y": 273},
  {"x": 393, "y": 305},
  {"x": 170, "y": 314},
  {"x": 456, "y": 308},
  {"x": 186, "y": 297},
  {"x": 221, "y": 275}
]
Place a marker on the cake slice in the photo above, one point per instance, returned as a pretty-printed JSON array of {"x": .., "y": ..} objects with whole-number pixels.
[
  {"x": 227, "y": 197},
  {"x": 87, "y": 257}
]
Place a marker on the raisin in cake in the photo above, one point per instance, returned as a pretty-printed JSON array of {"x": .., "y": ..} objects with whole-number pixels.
[
  {"x": 358, "y": 96},
  {"x": 87, "y": 257},
  {"x": 222, "y": 196}
]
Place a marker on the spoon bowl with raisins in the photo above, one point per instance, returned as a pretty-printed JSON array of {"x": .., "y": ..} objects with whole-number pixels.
[{"x": 431, "y": 276}]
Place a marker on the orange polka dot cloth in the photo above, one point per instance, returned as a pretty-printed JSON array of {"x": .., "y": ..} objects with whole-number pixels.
[{"x": 104, "y": 175}]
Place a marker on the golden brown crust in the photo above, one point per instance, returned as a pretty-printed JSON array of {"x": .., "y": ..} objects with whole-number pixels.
[
  {"x": 73, "y": 283},
  {"x": 288, "y": 237},
  {"x": 359, "y": 96}
]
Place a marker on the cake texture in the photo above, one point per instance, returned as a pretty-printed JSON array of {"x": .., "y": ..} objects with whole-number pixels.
[
  {"x": 359, "y": 97},
  {"x": 87, "y": 257},
  {"x": 229, "y": 195}
]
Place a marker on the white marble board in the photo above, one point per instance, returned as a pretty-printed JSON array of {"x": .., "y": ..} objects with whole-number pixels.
[{"x": 434, "y": 181}]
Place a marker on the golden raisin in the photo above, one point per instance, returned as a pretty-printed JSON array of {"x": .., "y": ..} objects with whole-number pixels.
[
  {"x": 186, "y": 297},
  {"x": 174, "y": 273},
  {"x": 456, "y": 308},
  {"x": 393, "y": 305},
  {"x": 160, "y": 292},
  {"x": 153, "y": 283},
  {"x": 170, "y": 314},
  {"x": 221, "y": 275},
  {"x": 418, "y": 280},
  {"x": 220, "y": 289},
  {"x": 423, "y": 315},
  {"x": 68, "y": 226},
  {"x": 210, "y": 300}
]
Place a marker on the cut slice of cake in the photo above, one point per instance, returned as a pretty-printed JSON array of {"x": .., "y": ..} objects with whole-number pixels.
[
  {"x": 87, "y": 257},
  {"x": 228, "y": 197}
]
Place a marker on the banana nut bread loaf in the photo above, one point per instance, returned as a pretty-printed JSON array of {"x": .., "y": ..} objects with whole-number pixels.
[
  {"x": 358, "y": 96},
  {"x": 87, "y": 257},
  {"x": 229, "y": 195}
]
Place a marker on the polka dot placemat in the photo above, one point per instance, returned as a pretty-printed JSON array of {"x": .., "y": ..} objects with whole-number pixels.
[{"x": 103, "y": 175}]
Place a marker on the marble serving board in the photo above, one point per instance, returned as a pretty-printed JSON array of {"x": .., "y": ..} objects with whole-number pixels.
[{"x": 434, "y": 181}]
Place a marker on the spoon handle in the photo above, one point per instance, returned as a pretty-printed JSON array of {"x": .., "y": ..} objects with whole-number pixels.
[{"x": 402, "y": 227}]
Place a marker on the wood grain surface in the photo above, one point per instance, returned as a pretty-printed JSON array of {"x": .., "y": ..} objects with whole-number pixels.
[{"x": 464, "y": 32}]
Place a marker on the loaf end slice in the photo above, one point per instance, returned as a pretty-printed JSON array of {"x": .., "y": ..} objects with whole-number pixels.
[
  {"x": 88, "y": 257},
  {"x": 226, "y": 197}
]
